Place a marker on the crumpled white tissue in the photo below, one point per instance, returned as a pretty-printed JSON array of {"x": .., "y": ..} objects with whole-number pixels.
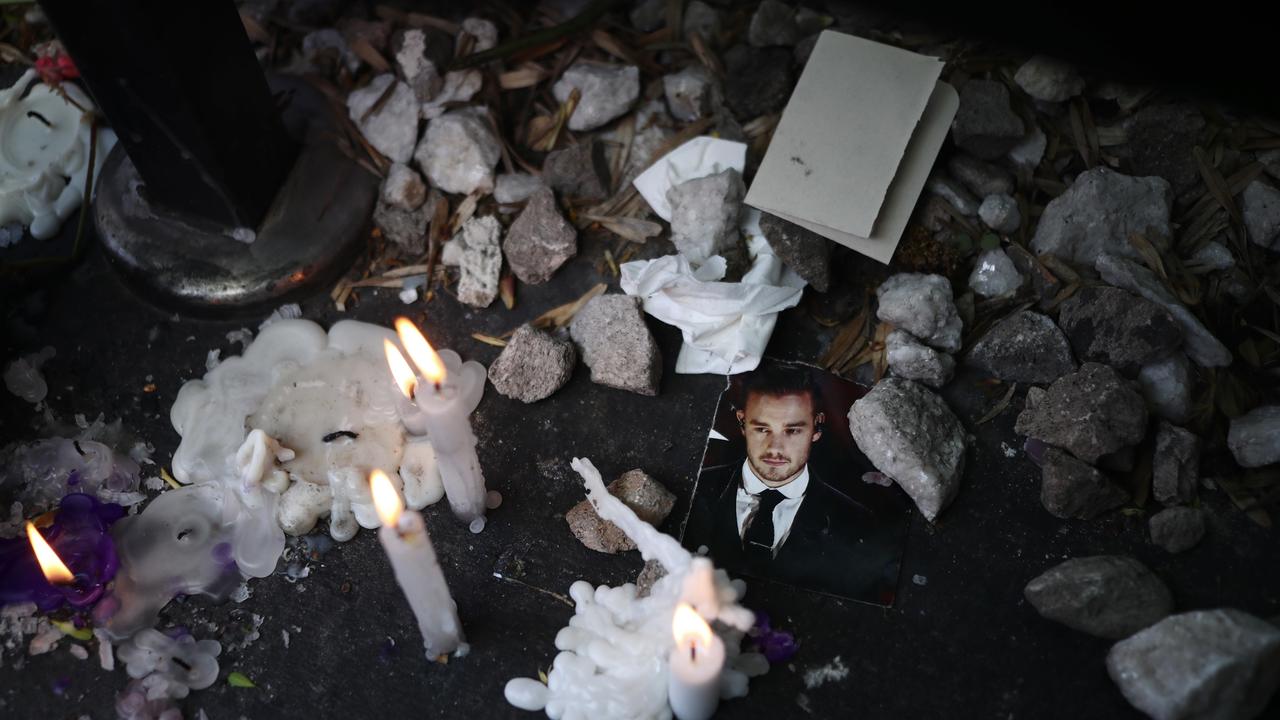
[
  {"x": 725, "y": 326},
  {"x": 699, "y": 157}
]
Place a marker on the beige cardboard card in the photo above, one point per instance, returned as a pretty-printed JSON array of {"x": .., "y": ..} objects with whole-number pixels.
[{"x": 856, "y": 143}]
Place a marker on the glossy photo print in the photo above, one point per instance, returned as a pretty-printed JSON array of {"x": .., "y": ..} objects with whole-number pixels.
[{"x": 781, "y": 493}]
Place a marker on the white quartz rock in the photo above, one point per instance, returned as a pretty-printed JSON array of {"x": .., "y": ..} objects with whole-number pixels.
[
  {"x": 994, "y": 274},
  {"x": 392, "y": 129},
  {"x": 459, "y": 151},
  {"x": 516, "y": 187},
  {"x": 910, "y": 434},
  {"x": 1047, "y": 79},
  {"x": 607, "y": 91},
  {"x": 403, "y": 187},
  {"x": 459, "y": 87},
  {"x": 1166, "y": 385},
  {"x": 1000, "y": 213},
  {"x": 913, "y": 360},
  {"x": 479, "y": 254},
  {"x": 485, "y": 33},
  {"x": 923, "y": 306}
]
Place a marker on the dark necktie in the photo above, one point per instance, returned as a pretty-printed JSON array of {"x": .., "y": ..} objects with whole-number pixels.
[{"x": 757, "y": 541}]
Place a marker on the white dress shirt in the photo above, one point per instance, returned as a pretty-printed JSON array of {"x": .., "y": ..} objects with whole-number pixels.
[{"x": 783, "y": 514}]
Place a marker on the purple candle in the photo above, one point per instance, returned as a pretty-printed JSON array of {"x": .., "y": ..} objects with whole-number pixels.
[{"x": 80, "y": 536}]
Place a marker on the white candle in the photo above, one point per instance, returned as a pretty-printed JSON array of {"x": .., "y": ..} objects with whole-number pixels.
[
  {"x": 438, "y": 403},
  {"x": 404, "y": 536},
  {"x": 693, "y": 678}
]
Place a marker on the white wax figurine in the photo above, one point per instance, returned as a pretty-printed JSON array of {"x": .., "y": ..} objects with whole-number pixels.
[
  {"x": 693, "y": 683},
  {"x": 44, "y": 153},
  {"x": 437, "y": 402},
  {"x": 615, "y": 654},
  {"x": 413, "y": 558}
]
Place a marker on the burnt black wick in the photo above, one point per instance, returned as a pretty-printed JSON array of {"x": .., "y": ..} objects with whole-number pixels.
[
  {"x": 340, "y": 433},
  {"x": 38, "y": 116}
]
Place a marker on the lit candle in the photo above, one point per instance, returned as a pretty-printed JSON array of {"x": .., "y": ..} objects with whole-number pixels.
[
  {"x": 404, "y": 536},
  {"x": 55, "y": 571},
  {"x": 437, "y": 402},
  {"x": 693, "y": 680}
]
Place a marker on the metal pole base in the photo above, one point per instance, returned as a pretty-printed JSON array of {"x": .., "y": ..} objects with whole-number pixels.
[{"x": 310, "y": 236}]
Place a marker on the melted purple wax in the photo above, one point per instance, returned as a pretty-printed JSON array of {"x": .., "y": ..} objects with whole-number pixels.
[{"x": 80, "y": 535}]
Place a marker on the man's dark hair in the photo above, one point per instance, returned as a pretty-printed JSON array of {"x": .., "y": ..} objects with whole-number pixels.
[{"x": 780, "y": 379}]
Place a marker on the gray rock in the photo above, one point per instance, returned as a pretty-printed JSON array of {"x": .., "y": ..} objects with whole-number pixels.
[
  {"x": 758, "y": 82},
  {"x": 645, "y": 496},
  {"x": 1201, "y": 665},
  {"x": 913, "y": 360},
  {"x": 1166, "y": 384},
  {"x": 650, "y": 574},
  {"x": 703, "y": 19},
  {"x": 422, "y": 73},
  {"x": 392, "y": 128},
  {"x": 1099, "y": 212},
  {"x": 607, "y": 92},
  {"x": 1111, "y": 326},
  {"x": 994, "y": 274},
  {"x": 516, "y": 187},
  {"x": 1177, "y": 529},
  {"x": 1090, "y": 413},
  {"x": 1175, "y": 471},
  {"x": 803, "y": 250},
  {"x": 804, "y": 49},
  {"x": 480, "y": 257},
  {"x": 1159, "y": 141},
  {"x": 704, "y": 218},
  {"x": 1201, "y": 346},
  {"x": 328, "y": 42},
  {"x": 1045, "y": 286},
  {"x": 580, "y": 171},
  {"x": 649, "y": 15},
  {"x": 406, "y": 228},
  {"x": 616, "y": 344},
  {"x": 1213, "y": 256},
  {"x": 1261, "y": 207},
  {"x": 980, "y": 177},
  {"x": 1045, "y": 78},
  {"x": 540, "y": 240},
  {"x": 1254, "y": 438},
  {"x": 533, "y": 365},
  {"x": 951, "y": 191},
  {"x": 1270, "y": 162},
  {"x": 1108, "y": 596},
  {"x": 985, "y": 124},
  {"x": 923, "y": 306},
  {"x": 1029, "y": 151},
  {"x": 1000, "y": 213},
  {"x": 1071, "y": 489},
  {"x": 692, "y": 94},
  {"x": 459, "y": 151},
  {"x": 1024, "y": 347},
  {"x": 403, "y": 188},
  {"x": 910, "y": 435},
  {"x": 774, "y": 23}
]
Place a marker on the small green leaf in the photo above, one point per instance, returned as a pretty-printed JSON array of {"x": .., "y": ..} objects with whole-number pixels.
[
  {"x": 990, "y": 241},
  {"x": 81, "y": 634},
  {"x": 240, "y": 680}
]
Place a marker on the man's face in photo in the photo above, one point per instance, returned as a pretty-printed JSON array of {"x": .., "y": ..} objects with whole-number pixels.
[{"x": 780, "y": 430}]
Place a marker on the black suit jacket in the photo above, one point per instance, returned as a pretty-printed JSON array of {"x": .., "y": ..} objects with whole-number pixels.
[{"x": 838, "y": 544}]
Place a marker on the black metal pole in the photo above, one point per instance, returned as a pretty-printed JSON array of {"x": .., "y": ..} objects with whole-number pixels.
[{"x": 184, "y": 92}]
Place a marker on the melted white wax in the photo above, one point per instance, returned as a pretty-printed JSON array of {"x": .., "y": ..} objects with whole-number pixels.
[
  {"x": 613, "y": 659},
  {"x": 298, "y": 385}
]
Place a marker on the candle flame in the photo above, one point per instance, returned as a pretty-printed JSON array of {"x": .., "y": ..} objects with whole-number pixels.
[
  {"x": 386, "y": 501},
  {"x": 400, "y": 370},
  {"x": 420, "y": 353},
  {"x": 689, "y": 628},
  {"x": 55, "y": 571}
]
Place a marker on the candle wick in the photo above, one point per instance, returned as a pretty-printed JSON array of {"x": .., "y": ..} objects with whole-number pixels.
[
  {"x": 182, "y": 664},
  {"x": 693, "y": 651},
  {"x": 38, "y": 116},
  {"x": 437, "y": 388}
]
